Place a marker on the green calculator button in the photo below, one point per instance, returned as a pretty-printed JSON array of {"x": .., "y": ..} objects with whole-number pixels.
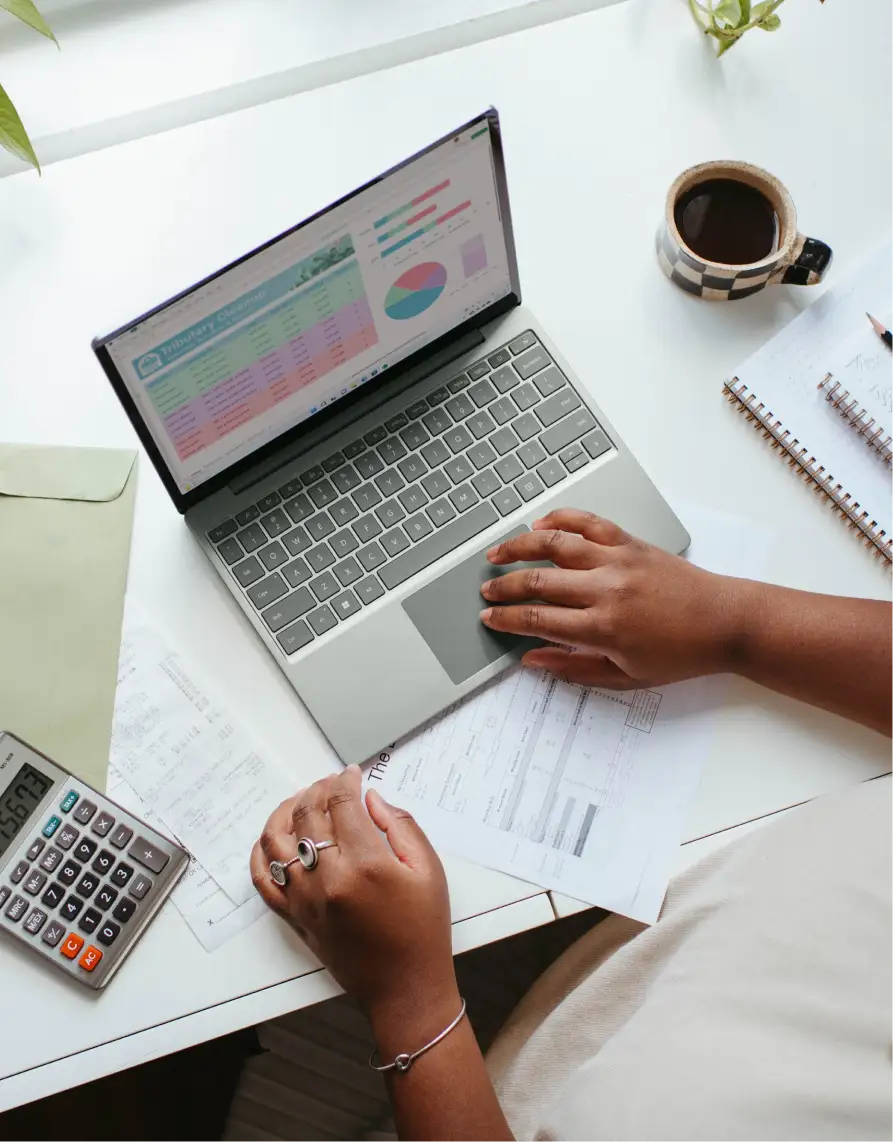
[
  {"x": 51, "y": 826},
  {"x": 68, "y": 801}
]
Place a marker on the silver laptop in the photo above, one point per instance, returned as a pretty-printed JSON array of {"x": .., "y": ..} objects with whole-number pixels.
[{"x": 350, "y": 415}]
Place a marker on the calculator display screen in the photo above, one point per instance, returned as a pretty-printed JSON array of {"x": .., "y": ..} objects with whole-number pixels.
[{"x": 19, "y": 800}]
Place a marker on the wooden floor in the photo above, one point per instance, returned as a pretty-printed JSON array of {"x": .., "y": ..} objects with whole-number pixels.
[{"x": 311, "y": 1079}]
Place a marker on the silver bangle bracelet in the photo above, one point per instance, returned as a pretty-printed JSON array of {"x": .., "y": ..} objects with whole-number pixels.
[{"x": 402, "y": 1063}]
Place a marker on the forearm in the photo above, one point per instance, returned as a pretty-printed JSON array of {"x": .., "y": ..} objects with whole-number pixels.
[
  {"x": 447, "y": 1092},
  {"x": 826, "y": 650}
]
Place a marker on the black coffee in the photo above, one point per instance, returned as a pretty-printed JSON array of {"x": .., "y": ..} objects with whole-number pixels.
[{"x": 722, "y": 220}]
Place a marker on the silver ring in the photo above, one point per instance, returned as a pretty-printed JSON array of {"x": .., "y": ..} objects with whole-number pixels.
[{"x": 308, "y": 855}]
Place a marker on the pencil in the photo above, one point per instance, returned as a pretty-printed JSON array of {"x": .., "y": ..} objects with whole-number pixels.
[{"x": 885, "y": 335}]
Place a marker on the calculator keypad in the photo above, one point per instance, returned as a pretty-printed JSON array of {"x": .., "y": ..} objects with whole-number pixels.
[
  {"x": 84, "y": 849},
  {"x": 84, "y": 812},
  {"x": 67, "y": 836},
  {"x": 102, "y": 824},
  {"x": 69, "y": 873},
  {"x": 89, "y": 920},
  {"x": 71, "y": 909},
  {"x": 120, "y": 836},
  {"x": 70, "y": 885},
  {"x": 34, "y": 921},
  {"x": 124, "y": 910},
  {"x": 106, "y": 897},
  {"x": 51, "y": 859},
  {"x": 34, "y": 881}
]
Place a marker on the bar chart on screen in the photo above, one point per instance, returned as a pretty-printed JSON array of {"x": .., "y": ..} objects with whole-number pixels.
[{"x": 323, "y": 322}]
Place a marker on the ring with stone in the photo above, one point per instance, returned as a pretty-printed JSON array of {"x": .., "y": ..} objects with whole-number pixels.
[{"x": 308, "y": 855}]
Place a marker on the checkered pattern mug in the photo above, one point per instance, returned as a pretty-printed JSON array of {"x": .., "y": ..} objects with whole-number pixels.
[{"x": 797, "y": 260}]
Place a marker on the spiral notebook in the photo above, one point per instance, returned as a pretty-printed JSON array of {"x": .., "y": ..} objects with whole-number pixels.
[{"x": 821, "y": 392}]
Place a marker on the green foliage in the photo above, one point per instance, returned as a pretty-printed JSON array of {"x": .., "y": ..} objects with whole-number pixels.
[
  {"x": 726, "y": 21},
  {"x": 13, "y": 136}
]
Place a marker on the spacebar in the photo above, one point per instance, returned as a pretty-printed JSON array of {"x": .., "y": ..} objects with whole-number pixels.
[{"x": 441, "y": 543}]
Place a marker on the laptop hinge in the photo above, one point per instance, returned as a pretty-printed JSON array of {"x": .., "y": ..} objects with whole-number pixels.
[{"x": 435, "y": 362}]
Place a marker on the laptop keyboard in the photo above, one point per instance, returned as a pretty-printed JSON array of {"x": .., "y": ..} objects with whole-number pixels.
[{"x": 329, "y": 542}]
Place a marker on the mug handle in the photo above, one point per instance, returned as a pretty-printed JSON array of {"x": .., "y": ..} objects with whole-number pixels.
[{"x": 810, "y": 261}]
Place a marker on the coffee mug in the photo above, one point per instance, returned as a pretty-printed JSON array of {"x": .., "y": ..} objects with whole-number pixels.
[{"x": 730, "y": 230}]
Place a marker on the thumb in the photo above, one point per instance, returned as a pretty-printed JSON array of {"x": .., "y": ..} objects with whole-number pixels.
[{"x": 410, "y": 845}]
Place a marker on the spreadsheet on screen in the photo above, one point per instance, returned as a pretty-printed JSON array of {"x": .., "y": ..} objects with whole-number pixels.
[{"x": 323, "y": 310}]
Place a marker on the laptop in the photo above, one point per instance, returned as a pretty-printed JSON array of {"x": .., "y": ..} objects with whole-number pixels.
[{"x": 349, "y": 416}]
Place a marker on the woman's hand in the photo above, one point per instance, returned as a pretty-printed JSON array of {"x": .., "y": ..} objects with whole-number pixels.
[
  {"x": 625, "y": 613},
  {"x": 375, "y": 912}
]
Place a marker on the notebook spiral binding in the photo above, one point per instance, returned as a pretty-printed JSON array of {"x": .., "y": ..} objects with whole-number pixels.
[
  {"x": 857, "y": 418},
  {"x": 806, "y": 465}
]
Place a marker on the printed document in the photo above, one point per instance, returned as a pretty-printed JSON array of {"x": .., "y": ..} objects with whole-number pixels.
[
  {"x": 580, "y": 790},
  {"x": 192, "y": 764}
]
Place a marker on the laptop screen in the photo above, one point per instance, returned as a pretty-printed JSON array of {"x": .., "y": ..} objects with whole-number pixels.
[{"x": 328, "y": 307}]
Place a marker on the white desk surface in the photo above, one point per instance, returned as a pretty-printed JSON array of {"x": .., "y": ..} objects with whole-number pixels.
[{"x": 600, "y": 113}]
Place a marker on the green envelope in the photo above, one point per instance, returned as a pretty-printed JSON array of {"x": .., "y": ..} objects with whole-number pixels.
[{"x": 65, "y": 521}]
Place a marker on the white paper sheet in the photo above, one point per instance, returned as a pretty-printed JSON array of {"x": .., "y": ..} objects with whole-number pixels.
[
  {"x": 579, "y": 790},
  {"x": 190, "y": 762},
  {"x": 209, "y": 912},
  {"x": 784, "y": 375}
]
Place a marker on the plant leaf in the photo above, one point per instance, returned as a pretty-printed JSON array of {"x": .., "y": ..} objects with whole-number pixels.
[
  {"x": 763, "y": 9},
  {"x": 770, "y": 22},
  {"x": 27, "y": 12},
  {"x": 13, "y": 136},
  {"x": 728, "y": 12}
]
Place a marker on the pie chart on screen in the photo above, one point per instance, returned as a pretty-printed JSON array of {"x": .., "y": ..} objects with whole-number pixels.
[{"x": 415, "y": 291}]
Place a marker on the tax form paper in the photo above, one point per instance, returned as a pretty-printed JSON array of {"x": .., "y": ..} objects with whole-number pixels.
[
  {"x": 583, "y": 791},
  {"x": 580, "y": 790}
]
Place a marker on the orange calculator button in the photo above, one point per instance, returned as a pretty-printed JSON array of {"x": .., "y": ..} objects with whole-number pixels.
[
  {"x": 71, "y": 945},
  {"x": 90, "y": 958}
]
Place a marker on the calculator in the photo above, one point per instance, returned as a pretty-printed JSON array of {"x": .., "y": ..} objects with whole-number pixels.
[{"x": 80, "y": 877}]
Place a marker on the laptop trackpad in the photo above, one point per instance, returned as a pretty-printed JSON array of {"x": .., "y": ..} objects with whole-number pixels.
[{"x": 446, "y": 614}]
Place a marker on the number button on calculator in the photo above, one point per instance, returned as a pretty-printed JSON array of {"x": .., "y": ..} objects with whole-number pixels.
[
  {"x": 87, "y": 885},
  {"x": 69, "y": 873},
  {"x": 121, "y": 875},
  {"x": 108, "y": 933},
  {"x": 84, "y": 850},
  {"x": 106, "y": 897},
  {"x": 104, "y": 861},
  {"x": 84, "y": 812},
  {"x": 89, "y": 920},
  {"x": 71, "y": 908},
  {"x": 53, "y": 895}
]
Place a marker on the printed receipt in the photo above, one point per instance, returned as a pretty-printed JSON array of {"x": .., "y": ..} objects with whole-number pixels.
[
  {"x": 209, "y": 912},
  {"x": 584, "y": 791},
  {"x": 190, "y": 763}
]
